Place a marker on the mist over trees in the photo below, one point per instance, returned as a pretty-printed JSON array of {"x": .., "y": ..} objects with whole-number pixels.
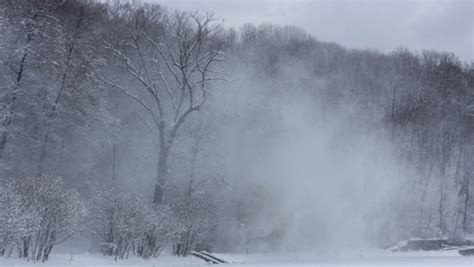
[{"x": 157, "y": 128}]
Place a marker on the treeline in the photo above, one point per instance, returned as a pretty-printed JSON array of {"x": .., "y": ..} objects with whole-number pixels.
[{"x": 131, "y": 104}]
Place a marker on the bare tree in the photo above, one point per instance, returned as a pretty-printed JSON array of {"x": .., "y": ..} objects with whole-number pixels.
[{"x": 172, "y": 59}]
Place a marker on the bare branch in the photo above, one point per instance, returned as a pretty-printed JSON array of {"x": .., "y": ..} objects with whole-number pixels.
[{"x": 111, "y": 82}]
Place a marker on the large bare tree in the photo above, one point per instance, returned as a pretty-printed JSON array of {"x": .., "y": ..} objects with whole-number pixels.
[{"x": 172, "y": 60}]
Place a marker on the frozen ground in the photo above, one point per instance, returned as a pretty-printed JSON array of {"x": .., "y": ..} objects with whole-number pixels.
[{"x": 369, "y": 259}]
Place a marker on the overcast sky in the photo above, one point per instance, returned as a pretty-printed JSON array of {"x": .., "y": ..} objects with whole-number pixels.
[{"x": 383, "y": 24}]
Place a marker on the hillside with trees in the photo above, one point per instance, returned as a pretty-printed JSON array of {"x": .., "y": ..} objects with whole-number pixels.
[{"x": 146, "y": 128}]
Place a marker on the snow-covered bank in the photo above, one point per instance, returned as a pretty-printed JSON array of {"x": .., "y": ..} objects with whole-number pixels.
[
  {"x": 361, "y": 259},
  {"x": 98, "y": 260},
  {"x": 372, "y": 259}
]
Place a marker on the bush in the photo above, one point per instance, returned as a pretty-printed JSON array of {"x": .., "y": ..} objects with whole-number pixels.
[
  {"x": 124, "y": 224},
  {"x": 16, "y": 221},
  {"x": 197, "y": 217},
  {"x": 37, "y": 214}
]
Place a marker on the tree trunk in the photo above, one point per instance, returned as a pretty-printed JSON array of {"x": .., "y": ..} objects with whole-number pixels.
[
  {"x": 52, "y": 113},
  {"x": 114, "y": 160},
  {"x": 7, "y": 121},
  {"x": 162, "y": 173},
  {"x": 19, "y": 75},
  {"x": 442, "y": 196},
  {"x": 466, "y": 202}
]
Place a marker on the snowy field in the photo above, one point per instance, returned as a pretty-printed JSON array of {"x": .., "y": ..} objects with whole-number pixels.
[{"x": 372, "y": 259}]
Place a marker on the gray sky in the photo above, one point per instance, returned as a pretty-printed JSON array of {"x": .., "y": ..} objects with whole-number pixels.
[{"x": 384, "y": 24}]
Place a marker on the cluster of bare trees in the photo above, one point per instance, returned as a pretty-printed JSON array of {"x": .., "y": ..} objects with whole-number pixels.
[
  {"x": 137, "y": 98},
  {"x": 67, "y": 67},
  {"x": 48, "y": 91},
  {"x": 434, "y": 122}
]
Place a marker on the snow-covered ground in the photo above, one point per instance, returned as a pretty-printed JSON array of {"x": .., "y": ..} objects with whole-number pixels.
[{"x": 369, "y": 259}]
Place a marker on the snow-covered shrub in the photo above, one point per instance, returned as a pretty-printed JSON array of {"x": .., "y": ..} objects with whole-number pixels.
[
  {"x": 16, "y": 220},
  {"x": 197, "y": 216},
  {"x": 59, "y": 210},
  {"x": 125, "y": 224},
  {"x": 163, "y": 228}
]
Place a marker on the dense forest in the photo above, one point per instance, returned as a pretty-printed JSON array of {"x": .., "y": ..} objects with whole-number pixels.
[{"x": 145, "y": 128}]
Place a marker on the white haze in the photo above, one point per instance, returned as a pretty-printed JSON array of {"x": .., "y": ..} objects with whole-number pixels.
[{"x": 328, "y": 180}]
